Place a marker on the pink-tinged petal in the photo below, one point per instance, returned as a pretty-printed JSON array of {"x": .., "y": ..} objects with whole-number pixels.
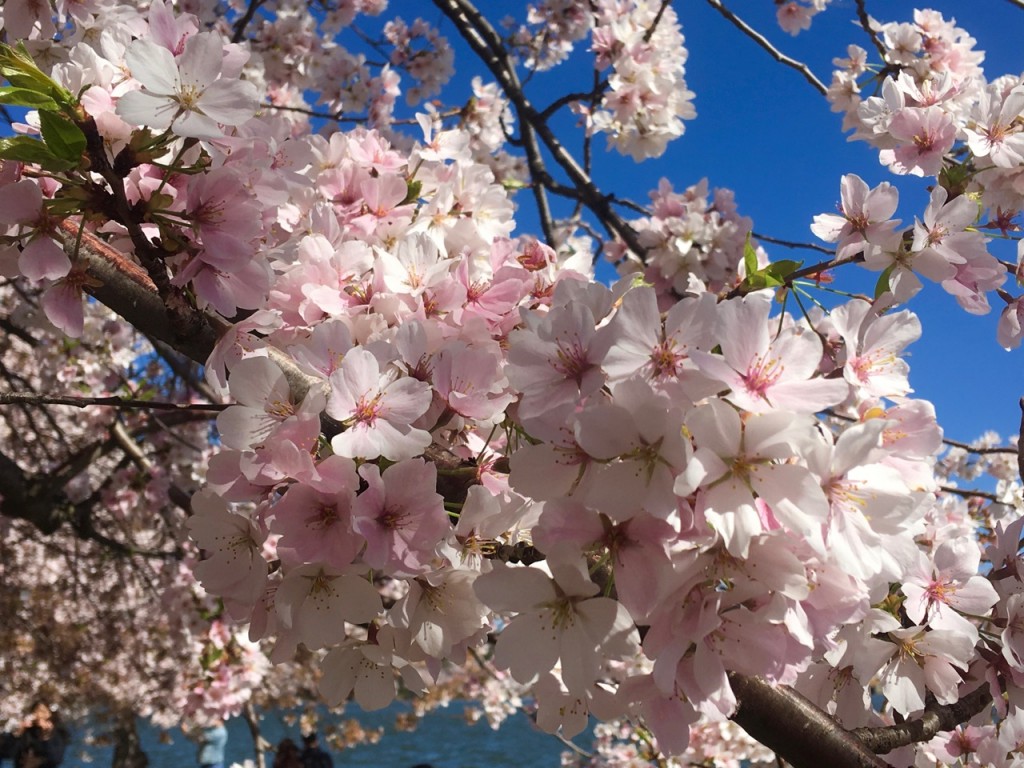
[
  {"x": 794, "y": 496},
  {"x": 808, "y": 396},
  {"x": 358, "y": 377},
  {"x": 43, "y": 259},
  {"x": 514, "y": 589},
  {"x": 669, "y": 719},
  {"x": 243, "y": 428},
  {"x": 141, "y": 108},
  {"x": 975, "y": 596},
  {"x": 528, "y": 646},
  {"x": 200, "y": 63},
  {"x": 230, "y": 102},
  {"x": 828, "y": 227},
  {"x": 153, "y": 66},
  {"x": 20, "y": 203},
  {"x": 729, "y": 508},
  {"x": 881, "y": 202},
  {"x": 853, "y": 191},
  {"x": 195, "y": 125},
  {"x": 62, "y": 303},
  {"x": 406, "y": 400},
  {"x": 339, "y": 668},
  {"x": 375, "y": 687},
  {"x": 716, "y": 427},
  {"x": 258, "y": 382}
]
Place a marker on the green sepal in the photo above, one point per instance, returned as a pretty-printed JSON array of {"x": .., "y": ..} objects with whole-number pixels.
[
  {"x": 883, "y": 280},
  {"x": 413, "y": 192},
  {"x": 64, "y": 138}
]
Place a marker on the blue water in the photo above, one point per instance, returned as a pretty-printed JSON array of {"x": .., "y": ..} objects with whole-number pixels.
[{"x": 442, "y": 738}]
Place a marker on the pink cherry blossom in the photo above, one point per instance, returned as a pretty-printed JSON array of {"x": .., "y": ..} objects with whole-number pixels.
[
  {"x": 314, "y": 601},
  {"x": 926, "y": 134},
  {"x": 235, "y": 568},
  {"x": 400, "y": 516},
  {"x": 765, "y": 373},
  {"x": 865, "y": 217},
  {"x": 377, "y": 408},
  {"x": 557, "y": 618},
  {"x": 186, "y": 95}
]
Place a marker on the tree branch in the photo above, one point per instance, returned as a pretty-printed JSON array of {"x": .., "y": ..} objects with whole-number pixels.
[
  {"x": 125, "y": 288},
  {"x": 113, "y": 401},
  {"x": 1020, "y": 443},
  {"x": 943, "y": 717},
  {"x": 794, "y": 728},
  {"x": 774, "y": 52},
  {"x": 486, "y": 43},
  {"x": 865, "y": 23}
]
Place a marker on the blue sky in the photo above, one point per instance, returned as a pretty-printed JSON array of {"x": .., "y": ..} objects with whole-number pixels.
[{"x": 764, "y": 132}]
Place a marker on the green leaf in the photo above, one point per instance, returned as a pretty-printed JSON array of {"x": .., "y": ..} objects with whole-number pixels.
[
  {"x": 771, "y": 276},
  {"x": 783, "y": 268},
  {"x": 25, "y": 97},
  {"x": 64, "y": 138},
  {"x": 28, "y": 150},
  {"x": 883, "y": 280},
  {"x": 17, "y": 66},
  {"x": 749, "y": 257}
]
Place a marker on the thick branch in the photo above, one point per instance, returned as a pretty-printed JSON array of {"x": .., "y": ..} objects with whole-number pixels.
[
  {"x": 125, "y": 288},
  {"x": 944, "y": 717},
  {"x": 794, "y": 728}
]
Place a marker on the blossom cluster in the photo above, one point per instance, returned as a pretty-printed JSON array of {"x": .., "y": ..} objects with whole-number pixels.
[{"x": 935, "y": 115}]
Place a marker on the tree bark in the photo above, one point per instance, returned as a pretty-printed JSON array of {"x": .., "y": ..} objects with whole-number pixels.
[
  {"x": 128, "y": 752},
  {"x": 795, "y": 729}
]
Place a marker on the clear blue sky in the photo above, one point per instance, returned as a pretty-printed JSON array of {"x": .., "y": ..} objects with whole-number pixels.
[{"x": 764, "y": 132}]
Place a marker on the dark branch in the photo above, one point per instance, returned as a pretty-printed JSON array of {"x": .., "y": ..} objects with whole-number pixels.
[
  {"x": 113, "y": 401},
  {"x": 486, "y": 43},
  {"x": 794, "y": 728},
  {"x": 939, "y": 718},
  {"x": 865, "y": 22},
  {"x": 774, "y": 52}
]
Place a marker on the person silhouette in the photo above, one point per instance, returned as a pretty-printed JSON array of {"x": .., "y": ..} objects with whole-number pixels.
[
  {"x": 312, "y": 755},
  {"x": 40, "y": 741}
]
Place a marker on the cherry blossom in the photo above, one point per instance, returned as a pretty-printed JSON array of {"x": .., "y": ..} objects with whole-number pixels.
[
  {"x": 377, "y": 408},
  {"x": 187, "y": 95}
]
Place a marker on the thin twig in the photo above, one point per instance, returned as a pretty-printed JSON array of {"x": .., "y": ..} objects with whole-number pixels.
[
  {"x": 975, "y": 449},
  {"x": 969, "y": 494},
  {"x": 486, "y": 43},
  {"x": 792, "y": 244},
  {"x": 243, "y": 21},
  {"x": 865, "y": 22},
  {"x": 774, "y": 52},
  {"x": 113, "y": 401}
]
